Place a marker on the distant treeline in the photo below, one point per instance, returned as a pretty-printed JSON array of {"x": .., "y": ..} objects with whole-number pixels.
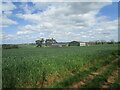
[
  {"x": 9, "y": 46},
  {"x": 102, "y": 42}
]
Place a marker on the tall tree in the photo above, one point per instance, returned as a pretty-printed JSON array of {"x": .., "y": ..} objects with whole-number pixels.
[
  {"x": 103, "y": 41},
  {"x": 112, "y": 41},
  {"x": 39, "y": 42},
  {"x": 53, "y": 40},
  {"x": 50, "y": 41}
]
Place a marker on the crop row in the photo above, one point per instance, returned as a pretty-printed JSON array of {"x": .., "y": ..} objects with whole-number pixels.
[
  {"x": 24, "y": 67},
  {"x": 116, "y": 84},
  {"x": 80, "y": 76},
  {"x": 101, "y": 78}
]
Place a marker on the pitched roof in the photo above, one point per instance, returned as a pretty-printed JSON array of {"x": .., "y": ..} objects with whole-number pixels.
[
  {"x": 58, "y": 44},
  {"x": 77, "y": 41}
]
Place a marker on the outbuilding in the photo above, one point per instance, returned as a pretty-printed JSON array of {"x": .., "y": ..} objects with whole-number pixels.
[
  {"x": 59, "y": 45},
  {"x": 77, "y": 43}
]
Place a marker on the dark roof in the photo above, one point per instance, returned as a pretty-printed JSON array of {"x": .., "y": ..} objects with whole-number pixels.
[
  {"x": 59, "y": 44},
  {"x": 77, "y": 41},
  {"x": 55, "y": 44}
]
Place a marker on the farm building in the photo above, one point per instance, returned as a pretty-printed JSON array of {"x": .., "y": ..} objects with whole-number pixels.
[
  {"x": 77, "y": 43},
  {"x": 59, "y": 45}
]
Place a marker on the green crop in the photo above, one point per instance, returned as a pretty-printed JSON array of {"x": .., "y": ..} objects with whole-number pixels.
[
  {"x": 116, "y": 84},
  {"x": 25, "y": 66},
  {"x": 100, "y": 79},
  {"x": 81, "y": 75}
]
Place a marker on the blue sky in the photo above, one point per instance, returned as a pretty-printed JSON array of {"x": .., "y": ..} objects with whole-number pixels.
[
  {"x": 110, "y": 10},
  {"x": 25, "y": 22}
]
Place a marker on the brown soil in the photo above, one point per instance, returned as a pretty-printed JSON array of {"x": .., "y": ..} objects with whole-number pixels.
[
  {"x": 51, "y": 79},
  {"x": 91, "y": 76},
  {"x": 111, "y": 79},
  {"x": 57, "y": 77}
]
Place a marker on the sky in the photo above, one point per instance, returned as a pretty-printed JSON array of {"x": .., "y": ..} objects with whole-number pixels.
[{"x": 25, "y": 22}]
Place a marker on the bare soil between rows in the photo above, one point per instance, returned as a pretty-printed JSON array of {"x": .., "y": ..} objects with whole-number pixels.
[{"x": 99, "y": 71}]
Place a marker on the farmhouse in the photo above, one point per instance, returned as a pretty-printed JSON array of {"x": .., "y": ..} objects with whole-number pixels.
[
  {"x": 77, "y": 43},
  {"x": 59, "y": 45}
]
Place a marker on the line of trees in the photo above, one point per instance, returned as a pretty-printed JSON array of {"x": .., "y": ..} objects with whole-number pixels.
[
  {"x": 47, "y": 42},
  {"x": 102, "y": 42},
  {"x": 7, "y": 46}
]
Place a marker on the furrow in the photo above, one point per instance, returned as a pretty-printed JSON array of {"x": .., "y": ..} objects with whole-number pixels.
[
  {"x": 80, "y": 76},
  {"x": 92, "y": 75},
  {"x": 101, "y": 78},
  {"x": 111, "y": 79}
]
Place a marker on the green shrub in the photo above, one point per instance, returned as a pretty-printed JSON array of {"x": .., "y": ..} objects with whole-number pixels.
[{"x": 7, "y": 46}]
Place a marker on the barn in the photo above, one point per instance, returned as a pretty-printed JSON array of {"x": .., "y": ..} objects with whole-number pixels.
[
  {"x": 77, "y": 43},
  {"x": 58, "y": 45}
]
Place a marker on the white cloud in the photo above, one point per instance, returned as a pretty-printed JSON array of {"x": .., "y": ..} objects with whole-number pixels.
[
  {"x": 2, "y": 26},
  {"x": 25, "y": 32},
  {"x": 41, "y": 6},
  {"x": 99, "y": 29},
  {"x": 7, "y": 21},
  {"x": 65, "y": 11},
  {"x": 68, "y": 21},
  {"x": 41, "y": 34},
  {"x": 1, "y": 35},
  {"x": 8, "y": 6},
  {"x": 60, "y": 0},
  {"x": 27, "y": 8},
  {"x": 7, "y": 12},
  {"x": 17, "y": 39}
]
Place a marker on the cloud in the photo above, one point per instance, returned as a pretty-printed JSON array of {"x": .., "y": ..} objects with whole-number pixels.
[
  {"x": 41, "y": 6},
  {"x": 65, "y": 12},
  {"x": 7, "y": 21},
  {"x": 66, "y": 22},
  {"x": 28, "y": 9},
  {"x": 25, "y": 32},
  {"x": 18, "y": 39},
  {"x": 7, "y": 11},
  {"x": 8, "y": 6},
  {"x": 33, "y": 7},
  {"x": 60, "y": 0},
  {"x": 41, "y": 34},
  {"x": 2, "y": 26}
]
